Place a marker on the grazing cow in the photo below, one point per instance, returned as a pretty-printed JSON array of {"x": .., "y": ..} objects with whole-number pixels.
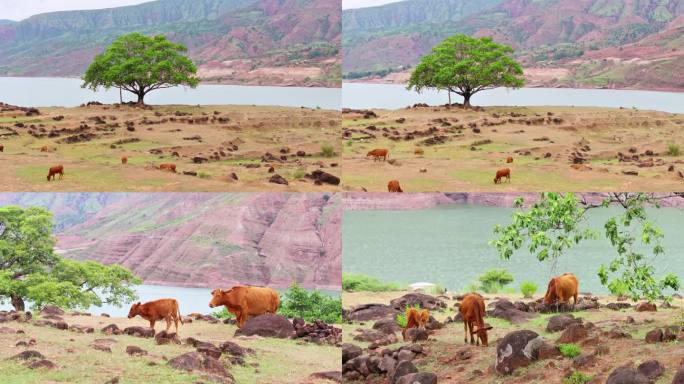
[
  {"x": 56, "y": 170},
  {"x": 379, "y": 154},
  {"x": 2, "y": 148},
  {"x": 246, "y": 301},
  {"x": 124, "y": 159},
  {"x": 415, "y": 319},
  {"x": 501, "y": 173},
  {"x": 393, "y": 186},
  {"x": 509, "y": 159},
  {"x": 162, "y": 309},
  {"x": 561, "y": 289},
  {"x": 168, "y": 167},
  {"x": 473, "y": 310},
  {"x": 44, "y": 148}
]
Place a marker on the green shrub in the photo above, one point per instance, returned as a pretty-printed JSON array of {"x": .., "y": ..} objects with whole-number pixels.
[
  {"x": 494, "y": 280},
  {"x": 363, "y": 283},
  {"x": 327, "y": 150},
  {"x": 569, "y": 350},
  {"x": 298, "y": 174},
  {"x": 577, "y": 378},
  {"x": 223, "y": 314},
  {"x": 528, "y": 289},
  {"x": 673, "y": 149},
  {"x": 350, "y": 142},
  {"x": 298, "y": 302},
  {"x": 203, "y": 175}
]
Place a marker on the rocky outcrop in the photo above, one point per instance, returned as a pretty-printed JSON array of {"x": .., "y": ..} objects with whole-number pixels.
[
  {"x": 267, "y": 325},
  {"x": 516, "y": 350}
]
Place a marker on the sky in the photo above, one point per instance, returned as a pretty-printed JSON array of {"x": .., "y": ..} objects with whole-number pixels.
[
  {"x": 349, "y": 4},
  {"x": 21, "y": 9}
]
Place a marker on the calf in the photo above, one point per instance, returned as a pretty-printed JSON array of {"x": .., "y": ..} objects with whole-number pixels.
[
  {"x": 509, "y": 159},
  {"x": 378, "y": 154},
  {"x": 472, "y": 310},
  {"x": 56, "y": 170},
  {"x": 168, "y": 167},
  {"x": 124, "y": 159},
  {"x": 2, "y": 148},
  {"x": 44, "y": 148},
  {"x": 501, "y": 173},
  {"x": 162, "y": 309},
  {"x": 415, "y": 319},
  {"x": 393, "y": 186}
]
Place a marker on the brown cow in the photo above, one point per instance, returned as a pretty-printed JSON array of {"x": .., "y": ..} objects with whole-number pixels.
[
  {"x": 168, "y": 167},
  {"x": 561, "y": 289},
  {"x": 162, "y": 309},
  {"x": 56, "y": 170},
  {"x": 509, "y": 159},
  {"x": 379, "y": 154},
  {"x": 415, "y": 319},
  {"x": 124, "y": 159},
  {"x": 472, "y": 310},
  {"x": 2, "y": 148},
  {"x": 44, "y": 148},
  {"x": 501, "y": 173},
  {"x": 246, "y": 301},
  {"x": 393, "y": 186}
]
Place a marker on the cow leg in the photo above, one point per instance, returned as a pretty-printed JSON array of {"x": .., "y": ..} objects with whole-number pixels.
[
  {"x": 168, "y": 323},
  {"x": 175, "y": 322},
  {"x": 465, "y": 331},
  {"x": 152, "y": 324}
]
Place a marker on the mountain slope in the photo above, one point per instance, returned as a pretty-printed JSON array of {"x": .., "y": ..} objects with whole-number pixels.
[
  {"x": 202, "y": 239},
  {"x": 583, "y": 43},
  {"x": 276, "y": 42}
]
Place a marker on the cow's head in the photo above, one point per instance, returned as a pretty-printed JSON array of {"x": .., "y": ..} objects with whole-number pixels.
[
  {"x": 481, "y": 333},
  {"x": 550, "y": 296},
  {"x": 135, "y": 310}
]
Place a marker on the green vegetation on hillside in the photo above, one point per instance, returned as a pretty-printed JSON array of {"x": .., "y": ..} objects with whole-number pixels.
[
  {"x": 363, "y": 283},
  {"x": 310, "y": 306}
]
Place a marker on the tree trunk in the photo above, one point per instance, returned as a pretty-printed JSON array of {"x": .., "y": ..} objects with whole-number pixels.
[
  {"x": 449, "y": 91},
  {"x": 18, "y": 303},
  {"x": 141, "y": 98},
  {"x": 466, "y": 100}
]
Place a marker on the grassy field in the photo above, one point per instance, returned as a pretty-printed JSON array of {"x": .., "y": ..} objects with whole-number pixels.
[
  {"x": 543, "y": 142},
  {"x": 275, "y": 360},
  {"x": 444, "y": 343},
  {"x": 210, "y": 141}
]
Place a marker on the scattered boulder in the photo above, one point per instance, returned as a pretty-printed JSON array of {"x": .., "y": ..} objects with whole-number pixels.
[
  {"x": 561, "y": 322},
  {"x": 679, "y": 376},
  {"x": 418, "y": 378},
  {"x": 517, "y": 349},
  {"x": 416, "y": 298},
  {"x": 28, "y": 355},
  {"x": 646, "y": 307},
  {"x": 387, "y": 326},
  {"x": 139, "y": 331},
  {"x": 51, "y": 310},
  {"x": 81, "y": 328},
  {"x": 164, "y": 337},
  {"x": 195, "y": 361},
  {"x": 42, "y": 364},
  {"x": 267, "y": 325},
  {"x": 626, "y": 375},
  {"x": 654, "y": 336},
  {"x": 573, "y": 333},
  {"x": 366, "y": 312},
  {"x": 135, "y": 351},
  {"x": 652, "y": 369},
  {"x": 416, "y": 334},
  {"x": 350, "y": 351},
  {"x": 234, "y": 349},
  {"x": 277, "y": 179},
  {"x": 111, "y": 329},
  {"x": 504, "y": 309},
  {"x": 402, "y": 368},
  {"x": 335, "y": 376}
]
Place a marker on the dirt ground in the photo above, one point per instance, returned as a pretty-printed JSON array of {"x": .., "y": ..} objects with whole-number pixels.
[
  {"x": 442, "y": 348},
  {"x": 206, "y": 143},
  {"x": 274, "y": 361},
  {"x": 560, "y": 148}
]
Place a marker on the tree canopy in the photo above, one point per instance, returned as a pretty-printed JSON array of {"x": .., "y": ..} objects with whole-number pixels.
[
  {"x": 140, "y": 64},
  {"x": 467, "y": 65},
  {"x": 30, "y": 270},
  {"x": 556, "y": 222}
]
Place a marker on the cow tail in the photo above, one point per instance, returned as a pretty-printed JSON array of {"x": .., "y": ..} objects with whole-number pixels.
[{"x": 179, "y": 314}]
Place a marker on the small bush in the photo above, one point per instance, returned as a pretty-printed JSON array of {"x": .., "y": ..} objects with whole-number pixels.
[
  {"x": 223, "y": 314},
  {"x": 577, "y": 378},
  {"x": 363, "y": 283},
  {"x": 569, "y": 350},
  {"x": 327, "y": 150},
  {"x": 494, "y": 280},
  {"x": 528, "y": 289},
  {"x": 350, "y": 142},
  {"x": 203, "y": 175},
  {"x": 298, "y": 174},
  {"x": 673, "y": 149},
  {"x": 310, "y": 306}
]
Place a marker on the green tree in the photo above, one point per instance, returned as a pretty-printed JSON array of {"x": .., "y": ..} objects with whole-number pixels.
[
  {"x": 467, "y": 65},
  {"x": 494, "y": 280},
  {"x": 31, "y": 271},
  {"x": 556, "y": 222},
  {"x": 140, "y": 64},
  {"x": 298, "y": 302}
]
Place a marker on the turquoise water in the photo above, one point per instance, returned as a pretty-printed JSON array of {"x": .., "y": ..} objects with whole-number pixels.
[{"x": 449, "y": 245}]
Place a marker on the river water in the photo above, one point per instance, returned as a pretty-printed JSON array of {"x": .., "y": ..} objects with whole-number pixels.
[
  {"x": 449, "y": 245},
  {"x": 67, "y": 92},
  {"x": 394, "y": 96}
]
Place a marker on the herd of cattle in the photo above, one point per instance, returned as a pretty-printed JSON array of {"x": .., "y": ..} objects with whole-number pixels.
[
  {"x": 379, "y": 154},
  {"x": 59, "y": 169},
  {"x": 472, "y": 308},
  {"x": 242, "y": 301}
]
